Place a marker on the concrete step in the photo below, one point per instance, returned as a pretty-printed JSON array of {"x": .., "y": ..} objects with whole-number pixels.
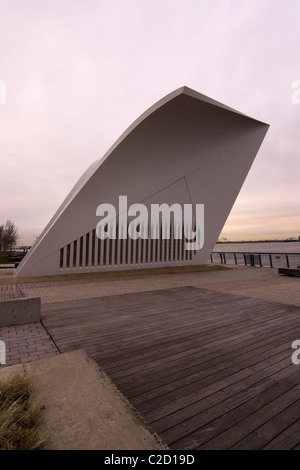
[{"x": 84, "y": 410}]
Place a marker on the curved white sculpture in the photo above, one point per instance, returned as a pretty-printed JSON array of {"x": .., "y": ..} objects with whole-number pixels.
[{"x": 186, "y": 149}]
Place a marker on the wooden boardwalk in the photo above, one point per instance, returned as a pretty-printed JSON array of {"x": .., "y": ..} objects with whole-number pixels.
[{"x": 207, "y": 370}]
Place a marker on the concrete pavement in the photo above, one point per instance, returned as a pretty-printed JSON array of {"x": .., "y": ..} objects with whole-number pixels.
[
  {"x": 31, "y": 342},
  {"x": 83, "y": 409},
  {"x": 72, "y": 415}
]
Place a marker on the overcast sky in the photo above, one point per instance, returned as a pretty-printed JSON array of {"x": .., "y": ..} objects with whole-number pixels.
[{"x": 79, "y": 72}]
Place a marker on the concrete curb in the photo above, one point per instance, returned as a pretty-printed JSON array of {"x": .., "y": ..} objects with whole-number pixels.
[{"x": 20, "y": 311}]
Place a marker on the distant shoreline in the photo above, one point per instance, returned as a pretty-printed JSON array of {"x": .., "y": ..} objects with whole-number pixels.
[{"x": 258, "y": 241}]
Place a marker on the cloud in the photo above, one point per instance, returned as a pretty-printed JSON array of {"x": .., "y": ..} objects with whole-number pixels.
[{"x": 77, "y": 74}]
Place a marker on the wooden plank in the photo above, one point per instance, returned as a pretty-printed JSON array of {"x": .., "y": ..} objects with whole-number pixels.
[
  {"x": 190, "y": 362},
  {"x": 188, "y": 357},
  {"x": 218, "y": 427},
  {"x": 287, "y": 439},
  {"x": 212, "y": 384},
  {"x": 160, "y": 395},
  {"x": 226, "y": 399},
  {"x": 268, "y": 408},
  {"x": 262, "y": 435},
  {"x": 138, "y": 339}
]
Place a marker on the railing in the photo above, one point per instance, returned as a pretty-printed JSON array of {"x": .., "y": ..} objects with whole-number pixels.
[{"x": 271, "y": 260}]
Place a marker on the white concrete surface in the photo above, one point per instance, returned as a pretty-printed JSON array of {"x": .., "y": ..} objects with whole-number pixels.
[
  {"x": 20, "y": 311},
  {"x": 185, "y": 149}
]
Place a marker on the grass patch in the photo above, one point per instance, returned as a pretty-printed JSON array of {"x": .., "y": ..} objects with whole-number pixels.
[{"x": 19, "y": 414}]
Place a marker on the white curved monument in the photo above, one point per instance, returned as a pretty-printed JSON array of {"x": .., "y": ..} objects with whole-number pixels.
[{"x": 186, "y": 150}]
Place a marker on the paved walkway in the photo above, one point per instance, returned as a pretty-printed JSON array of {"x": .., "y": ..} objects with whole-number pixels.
[
  {"x": 264, "y": 283},
  {"x": 29, "y": 342},
  {"x": 26, "y": 343}
]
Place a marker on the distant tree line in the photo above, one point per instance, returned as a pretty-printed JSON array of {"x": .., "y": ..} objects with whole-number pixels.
[{"x": 8, "y": 236}]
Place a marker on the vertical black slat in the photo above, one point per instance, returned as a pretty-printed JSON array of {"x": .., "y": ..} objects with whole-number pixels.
[
  {"x": 74, "y": 253},
  {"x": 151, "y": 250},
  {"x": 99, "y": 252},
  {"x": 116, "y": 244},
  {"x": 104, "y": 251},
  {"x": 137, "y": 243},
  {"x": 80, "y": 251},
  {"x": 156, "y": 249},
  {"x": 142, "y": 250},
  {"x": 68, "y": 256},
  {"x": 147, "y": 250},
  {"x": 171, "y": 241},
  {"x": 126, "y": 250},
  {"x": 160, "y": 258},
  {"x": 93, "y": 247},
  {"x": 87, "y": 247},
  {"x": 121, "y": 250},
  {"x": 131, "y": 246},
  {"x": 61, "y": 258},
  {"x": 110, "y": 245},
  {"x": 166, "y": 248},
  {"x": 175, "y": 249}
]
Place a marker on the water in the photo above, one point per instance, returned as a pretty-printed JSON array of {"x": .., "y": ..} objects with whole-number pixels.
[
  {"x": 284, "y": 254},
  {"x": 254, "y": 247}
]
